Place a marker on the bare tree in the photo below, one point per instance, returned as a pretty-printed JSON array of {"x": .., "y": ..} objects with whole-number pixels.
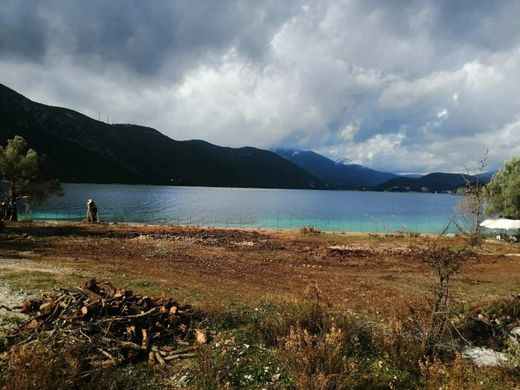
[
  {"x": 445, "y": 257},
  {"x": 445, "y": 261},
  {"x": 473, "y": 202}
]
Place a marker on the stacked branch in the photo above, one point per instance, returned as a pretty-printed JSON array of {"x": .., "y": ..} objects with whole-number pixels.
[{"x": 113, "y": 324}]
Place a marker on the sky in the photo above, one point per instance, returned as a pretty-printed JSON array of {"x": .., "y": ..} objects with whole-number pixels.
[{"x": 401, "y": 86}]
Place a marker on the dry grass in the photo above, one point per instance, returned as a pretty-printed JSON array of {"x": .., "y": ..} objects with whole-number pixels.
[
  {"x": 320, "y": 362},
  {"x": 35, "y": 366},
  {"x": 362, "y": 328},
  {"x": 308, "y": 346},
  {"x": 211, "y": 266},
  {"x": 459, "y": 374}
]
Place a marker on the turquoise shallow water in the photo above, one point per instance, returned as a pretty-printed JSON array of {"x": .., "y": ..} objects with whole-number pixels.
[{"x": 259, "y": 208}]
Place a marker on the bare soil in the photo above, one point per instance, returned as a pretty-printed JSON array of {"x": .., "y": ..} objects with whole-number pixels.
[{"x": 372, "y": 274}]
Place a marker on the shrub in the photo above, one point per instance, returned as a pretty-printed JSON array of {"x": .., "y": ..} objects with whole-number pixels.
[
  {"x": 37, "y": 366},
  {"x": 320, "y": 361},
  {"x": 460, "y": 374}
]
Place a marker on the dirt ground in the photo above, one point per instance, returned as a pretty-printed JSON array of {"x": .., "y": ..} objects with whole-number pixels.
[{"x": 372, "y": 274}]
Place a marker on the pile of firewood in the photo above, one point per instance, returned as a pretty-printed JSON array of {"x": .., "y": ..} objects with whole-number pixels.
[{"x": 115, "y": 325}]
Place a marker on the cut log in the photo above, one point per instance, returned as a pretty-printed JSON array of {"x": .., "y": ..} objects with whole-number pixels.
[
  {"x": 145, "y": 338},
  {"x": 151, "y": 358},
  {"x": 180, "y": 356},
  {"x": 160, "y": 358}
]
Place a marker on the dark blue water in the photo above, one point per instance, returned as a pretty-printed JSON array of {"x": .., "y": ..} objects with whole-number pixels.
[{"x": 261, "y": 208}]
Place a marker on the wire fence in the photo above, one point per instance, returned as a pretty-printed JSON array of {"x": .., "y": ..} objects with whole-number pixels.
[{"x": 366, "y": 224}]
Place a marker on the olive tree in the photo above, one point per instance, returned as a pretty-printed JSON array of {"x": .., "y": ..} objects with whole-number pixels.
[
  {"x": 504, "y": 191},
  {"x": 22, "y": 178}
]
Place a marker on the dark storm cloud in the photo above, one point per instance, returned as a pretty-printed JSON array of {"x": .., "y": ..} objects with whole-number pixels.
[
  {"x": 482, "y": 23},
  {"x": 22, "y": 31},
  {"x": 143, "y": 36},
  {"x": 492, "y": 25}
]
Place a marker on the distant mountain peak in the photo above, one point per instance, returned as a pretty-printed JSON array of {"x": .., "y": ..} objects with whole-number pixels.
[{"x": 337, "y": 174}]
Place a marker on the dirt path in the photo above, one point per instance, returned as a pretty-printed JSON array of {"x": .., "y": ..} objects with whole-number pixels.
[{"x": 29, "y": 266}]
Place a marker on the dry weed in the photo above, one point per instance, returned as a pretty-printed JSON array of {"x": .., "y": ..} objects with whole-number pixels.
[
  {"x": 319, "y": 362},
  {"x": 460, "y": 374}
]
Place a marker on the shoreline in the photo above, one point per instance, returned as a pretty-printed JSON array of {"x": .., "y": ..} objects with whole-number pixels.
[{"x": 65, "y": 223}]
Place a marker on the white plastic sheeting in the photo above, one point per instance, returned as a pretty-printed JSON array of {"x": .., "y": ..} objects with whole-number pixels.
[{"x": 501, "y": 224}]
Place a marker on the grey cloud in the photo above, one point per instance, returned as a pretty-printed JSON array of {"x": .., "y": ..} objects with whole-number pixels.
[
  {"x": 22, "y": 31},
  {"x": 393, "y": 84},
  {"x": 492, "y": 25},
  {"x": 145, "y": 36}
]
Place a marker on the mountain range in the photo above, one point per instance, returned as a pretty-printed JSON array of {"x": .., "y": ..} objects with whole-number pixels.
[
  {"x": 82, "y": 149},
  {"x": 432, "y": 182}
]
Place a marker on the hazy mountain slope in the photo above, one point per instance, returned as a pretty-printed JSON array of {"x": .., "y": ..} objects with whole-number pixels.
[
  {"x": 433, "y": 182},
  {"x": 335, "y": 174}
]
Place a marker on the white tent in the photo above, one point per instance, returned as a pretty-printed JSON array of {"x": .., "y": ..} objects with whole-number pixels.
[{"x": 501, "y": 224}]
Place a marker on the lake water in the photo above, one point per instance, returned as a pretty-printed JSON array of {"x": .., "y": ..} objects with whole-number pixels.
[{"x": 258, "y": 208}]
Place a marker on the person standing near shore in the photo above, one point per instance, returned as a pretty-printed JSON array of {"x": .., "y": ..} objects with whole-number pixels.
[{"x": 92, "y": 212}]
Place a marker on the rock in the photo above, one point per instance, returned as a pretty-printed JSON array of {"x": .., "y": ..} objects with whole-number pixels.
[
  {"x": 183, "y": 381},
  {"x": 485, "y": 356},
  {"x": 516, "y": 332},
  {"x": 244, "y": 243},
  {"x": 201, "y": 336}
]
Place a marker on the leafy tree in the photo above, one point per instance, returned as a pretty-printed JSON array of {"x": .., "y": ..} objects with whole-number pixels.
[
  {"x": 504, "y": 190},
  {"x": 22, "y": 178}
]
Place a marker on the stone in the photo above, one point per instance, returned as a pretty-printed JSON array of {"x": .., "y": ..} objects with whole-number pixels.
[
  {"x": 516, "y": 332},
  {"x": 485, "y": 356}
]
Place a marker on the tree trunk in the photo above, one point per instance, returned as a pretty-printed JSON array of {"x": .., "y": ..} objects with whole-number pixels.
[
  {"x": 14, "y": 212},
  {"x": 11, "y": 203},
  {"x": 439, "y": 318}
]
